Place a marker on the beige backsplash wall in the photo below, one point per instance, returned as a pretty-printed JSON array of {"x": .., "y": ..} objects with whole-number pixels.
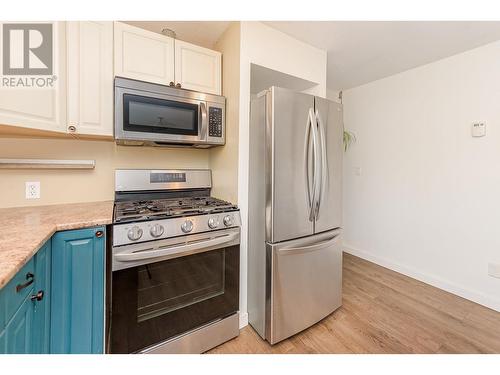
[{"x": 68, "y": 186}]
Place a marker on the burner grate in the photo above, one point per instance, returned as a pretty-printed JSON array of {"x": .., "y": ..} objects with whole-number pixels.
[{"x": 165, "y": 208}]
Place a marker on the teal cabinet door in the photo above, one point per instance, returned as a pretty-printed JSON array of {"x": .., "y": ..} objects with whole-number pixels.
[
  {"x": 19, "y": 331},
  {"x": 16, "y": 312},
  {"x": 77, "y": 300},
  {"x": 25, "y": 302},
  {"x": 13, "y": 294},
  {"x": 41, "y": 300}
]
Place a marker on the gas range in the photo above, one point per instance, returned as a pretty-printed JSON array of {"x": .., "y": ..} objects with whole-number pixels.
[
  {"x": 157, "y": 204},
  {"x": 175, "y": 263}
]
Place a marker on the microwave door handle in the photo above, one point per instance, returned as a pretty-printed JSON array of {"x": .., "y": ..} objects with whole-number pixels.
[
  {"x": 177, "y": 250},
  {"x": 204, "y": 125}
]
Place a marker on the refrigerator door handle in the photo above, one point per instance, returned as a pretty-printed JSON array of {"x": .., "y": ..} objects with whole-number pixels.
[
  {"x": 310, "y": 248},
  {"x": 317, "y": 167},
  {"x": 311, "y": 134},
  {"x": 323, "y": 163}
]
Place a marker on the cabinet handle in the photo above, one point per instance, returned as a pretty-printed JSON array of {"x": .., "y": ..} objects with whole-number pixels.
[
  {"x": 72, "y": 128},
  {"x": 30, "y": 277},
  {"x": 172, "y": 84},
  {"x": 38, "y": 296},
  {"x": 178, "y": 86},
  {"x": 99, "y": 233}
]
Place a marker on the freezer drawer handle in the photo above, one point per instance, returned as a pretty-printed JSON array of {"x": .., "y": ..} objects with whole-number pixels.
[
  {"x": 185, "y": 248},
  {"x": 307, "y": 249}
]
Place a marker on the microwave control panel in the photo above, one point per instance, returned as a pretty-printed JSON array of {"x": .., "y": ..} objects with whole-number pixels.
[{"x": 215, "y": 122}]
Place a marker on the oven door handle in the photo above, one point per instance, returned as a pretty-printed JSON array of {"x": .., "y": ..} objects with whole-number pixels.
[{"x": 178, "y": 249}]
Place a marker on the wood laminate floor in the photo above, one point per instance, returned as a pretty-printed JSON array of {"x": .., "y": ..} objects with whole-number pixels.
[{"x": 386, "y": 312}]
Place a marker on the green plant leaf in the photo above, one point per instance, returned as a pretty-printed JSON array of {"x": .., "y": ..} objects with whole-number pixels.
[{"x": 348, "y": 139}]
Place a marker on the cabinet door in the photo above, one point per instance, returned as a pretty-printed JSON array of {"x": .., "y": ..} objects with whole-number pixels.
[
  {"x": 90, "y": 77},
  {"x": 41, "y": 295},
  {"x": 143, "y": 55},
  {"x": 197, "y": 68},
  {"x": 19, "y": 331},
  {"x": 3, "y": 342},
  {"x": 77, "y": 301},
  {"x": 28, "y": 105}
]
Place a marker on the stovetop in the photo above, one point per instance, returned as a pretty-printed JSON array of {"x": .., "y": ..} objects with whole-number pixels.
[{"x": 142, "y": 210}]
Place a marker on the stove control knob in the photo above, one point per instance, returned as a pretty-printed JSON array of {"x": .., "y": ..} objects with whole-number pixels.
[
  {"x": 157, "y": 230},
  {"x": 213, "y": 222},
  {"x": 187, "y": 226},
  {"x": 134, "y": 233},
  {"x": 228, "y": 221}
]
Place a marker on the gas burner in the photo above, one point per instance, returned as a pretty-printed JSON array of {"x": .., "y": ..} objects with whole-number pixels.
[{"x": 142, "y": 210}]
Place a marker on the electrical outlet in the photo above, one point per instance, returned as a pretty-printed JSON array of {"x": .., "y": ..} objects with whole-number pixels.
[
  {"x": 33, "y": 190},
  {"x": 357, "y": 171}
]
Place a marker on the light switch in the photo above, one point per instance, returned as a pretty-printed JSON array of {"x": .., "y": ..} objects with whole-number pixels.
[
  {"x": 357, "y": 171},
  {"x": 478, "y": 129}
]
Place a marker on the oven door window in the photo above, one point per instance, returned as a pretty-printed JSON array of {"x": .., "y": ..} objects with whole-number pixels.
[
  {"x": 155, "y": 302},
  {"x": 153, "y": 115},
  {"x": 168, "y": 286}
]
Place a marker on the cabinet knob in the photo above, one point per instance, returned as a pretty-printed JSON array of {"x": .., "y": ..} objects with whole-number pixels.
[
  {"x": 178, "y": 85},
  {"x": 171, "y": 83},
  {"x": 38, "y": 296},
  {"x": 72, "y": 128},
  {"x": 99, "y": 233}
]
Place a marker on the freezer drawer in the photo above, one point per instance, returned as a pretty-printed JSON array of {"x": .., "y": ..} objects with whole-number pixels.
[{"x": 305, "y": 283}]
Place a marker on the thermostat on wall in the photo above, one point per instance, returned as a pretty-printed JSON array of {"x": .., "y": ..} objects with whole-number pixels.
[{"x": 479, "y": 129}]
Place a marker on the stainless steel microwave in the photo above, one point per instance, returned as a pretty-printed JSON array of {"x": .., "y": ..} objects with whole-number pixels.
[{"x": 150, "y": 114}]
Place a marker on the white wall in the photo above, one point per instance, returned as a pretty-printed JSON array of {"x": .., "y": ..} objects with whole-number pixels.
[
  {"x": 272, "y": 49},
  {"x": 427, "y": 202},
  {"x": 224, "y": 160}
]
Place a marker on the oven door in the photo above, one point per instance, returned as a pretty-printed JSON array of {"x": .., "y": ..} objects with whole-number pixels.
[
  {"x": 171, "y": 292},
  {"x": 159, "y": 118}
]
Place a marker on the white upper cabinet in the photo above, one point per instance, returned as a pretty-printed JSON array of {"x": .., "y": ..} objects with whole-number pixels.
[
  {"x": 197, "y": 68},
  {"x": 90, "y": 78},
  {"x": 36, "y": 101},
  {"x": 66, "y": 85},
  {"x": 143, "y": 55}
]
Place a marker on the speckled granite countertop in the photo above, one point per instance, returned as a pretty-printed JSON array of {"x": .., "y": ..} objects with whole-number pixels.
[{"x": 23, "y": 230}]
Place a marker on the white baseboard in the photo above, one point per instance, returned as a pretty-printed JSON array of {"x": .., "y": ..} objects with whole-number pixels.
[
  {"x": 243, "y": 319},
  {"x": 437, "y": 282}
]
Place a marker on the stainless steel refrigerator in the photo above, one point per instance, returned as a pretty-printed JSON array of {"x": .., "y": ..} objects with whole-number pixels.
[{"x": 295, "y": 212}]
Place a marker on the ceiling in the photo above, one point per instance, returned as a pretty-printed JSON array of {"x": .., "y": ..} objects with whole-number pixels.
[
  {"x": 358, "y": 51},
  {"x": 363, "y": 51},
  {"x": 202, "y": 33}
]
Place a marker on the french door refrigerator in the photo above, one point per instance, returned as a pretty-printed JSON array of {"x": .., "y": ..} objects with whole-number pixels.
[{"x": 295, "y": 211}]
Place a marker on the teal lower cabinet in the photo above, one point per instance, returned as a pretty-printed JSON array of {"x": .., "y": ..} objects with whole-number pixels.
[
  {"x": 55, "y": 303},
  {"x": 77, "y": 291},
  {"x": 24, "y": 303}
]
